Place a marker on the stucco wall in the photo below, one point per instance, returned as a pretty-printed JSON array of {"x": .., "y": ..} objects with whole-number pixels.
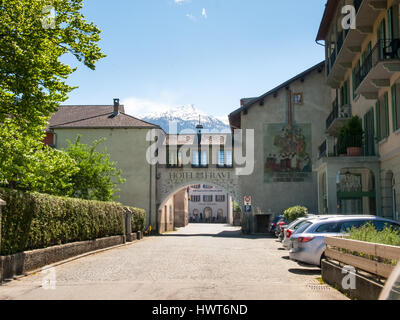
[
  {"x": 181, "y": 208},
  {"x": 275, "y": 197},
  {"x": 128, "y": 148}
]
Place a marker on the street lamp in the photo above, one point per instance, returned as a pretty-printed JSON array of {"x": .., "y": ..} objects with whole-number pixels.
[{"x": 199, "y": 129}]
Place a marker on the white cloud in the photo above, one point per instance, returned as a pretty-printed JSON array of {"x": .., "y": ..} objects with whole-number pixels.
[
  {"x": 204, "y": 13},
  {"x": 191, "y": 17},
  {"x": 180, "y": 1},
  {"x": 138, "y": 107}
]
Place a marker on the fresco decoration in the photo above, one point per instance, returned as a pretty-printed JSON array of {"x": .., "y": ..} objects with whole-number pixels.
[{"x": 287, "y": 153}]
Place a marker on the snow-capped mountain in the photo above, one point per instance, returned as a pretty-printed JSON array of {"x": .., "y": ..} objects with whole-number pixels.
[{"x": 187, "y": 117}]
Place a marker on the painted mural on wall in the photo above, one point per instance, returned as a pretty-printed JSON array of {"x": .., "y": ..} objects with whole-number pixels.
[{"x": 287, "y": 153}]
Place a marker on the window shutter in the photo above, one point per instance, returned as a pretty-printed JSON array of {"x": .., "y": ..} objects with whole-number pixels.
[
  {"x": 394, "y": 107},
  {"x": 387, "y": 132},
  {"x": 378, "y": 120}
]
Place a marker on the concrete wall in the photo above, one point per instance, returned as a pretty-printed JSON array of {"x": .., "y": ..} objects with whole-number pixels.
[
  {"x": 275, "y": 197},
  {"x": 128, "y": 148}
]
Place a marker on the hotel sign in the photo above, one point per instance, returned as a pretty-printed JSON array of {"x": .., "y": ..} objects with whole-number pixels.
[{"x": 200, "y": 175}]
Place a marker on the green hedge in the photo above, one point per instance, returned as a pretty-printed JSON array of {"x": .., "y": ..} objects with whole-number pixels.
[
  {"x": 294, "y": 213},
  {"x": 138, "y": 219},
  {"x": 34, "y": 221}
]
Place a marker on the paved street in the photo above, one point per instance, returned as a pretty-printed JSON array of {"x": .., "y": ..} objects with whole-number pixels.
[{"x": 197, "y": 262}]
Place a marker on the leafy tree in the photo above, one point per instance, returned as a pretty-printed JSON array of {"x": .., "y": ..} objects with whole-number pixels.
[
  {"x": 296, "y": 212},
  {"x": 97, "y": 177},
  {"x": 25, "y": 163},
  {"x": 32, "y": 77}
]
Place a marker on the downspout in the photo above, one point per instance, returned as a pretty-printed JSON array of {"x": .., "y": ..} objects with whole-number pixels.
[{"x": 151, "y": 191}]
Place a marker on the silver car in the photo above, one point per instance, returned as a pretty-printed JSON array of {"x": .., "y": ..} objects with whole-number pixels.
[
  {"x": 308, "y": 243},
  {"x": 295, "y": 225}
]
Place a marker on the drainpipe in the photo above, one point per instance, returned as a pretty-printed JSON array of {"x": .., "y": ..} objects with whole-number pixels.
[
  {"x": 2, "y": 203},
  {"x": 151, "y": 190}
]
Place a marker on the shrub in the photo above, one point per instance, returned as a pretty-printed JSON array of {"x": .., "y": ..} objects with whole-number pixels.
[
  {"x": 138, "y": 219},
  {"x": 34, "y": 221},
  {"x": 293, "y": 213},
  {"x": 369, "y": 233}
]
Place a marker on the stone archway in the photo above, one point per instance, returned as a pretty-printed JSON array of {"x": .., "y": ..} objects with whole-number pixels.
[{"x": 171, "y": 180}]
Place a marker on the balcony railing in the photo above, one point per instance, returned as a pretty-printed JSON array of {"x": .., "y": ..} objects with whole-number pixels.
[
  {"x": 334, "y": 114},
  {"x": 384, "y": 50}
]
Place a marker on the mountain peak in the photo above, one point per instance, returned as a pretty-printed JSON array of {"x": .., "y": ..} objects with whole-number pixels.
[{"x": 186, "y": 117}]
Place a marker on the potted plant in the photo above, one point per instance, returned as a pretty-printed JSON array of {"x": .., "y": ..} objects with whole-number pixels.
[{"x": 354, "y": 139}]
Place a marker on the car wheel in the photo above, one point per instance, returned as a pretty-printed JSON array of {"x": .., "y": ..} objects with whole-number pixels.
[{"x": 320, "y": 260}]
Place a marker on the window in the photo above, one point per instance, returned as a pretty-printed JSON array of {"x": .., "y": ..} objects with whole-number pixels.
[
  {"x": 197, "y": 186},
  {"x": 204, "y": 158},
  {"x": 207, "y": 198},
  {"x": 221, "y": 158},
  {"x": 228, "y": 158},
  {"x": 382, "y": 117},
  {"x": 369, "y": 128},
  {"x": 303, "y": 227},
  {"x": 195, "y": 161},
  {"x": 220, "y": 198},
  {"x": 298, "y": 98},
  {"x": 328, "y": 228},
  {"x": 205, "y": 186},
  {"x": 396, "y": 107},
  {"x": 344, "y": 94},
  {"x": 348, "y": 225},
  {"x": 354, "y": 83},
  {"x": 195, "y": 198}
]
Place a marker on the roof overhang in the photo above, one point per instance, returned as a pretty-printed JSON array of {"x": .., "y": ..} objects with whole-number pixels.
[{"x": 329, "y": 14}]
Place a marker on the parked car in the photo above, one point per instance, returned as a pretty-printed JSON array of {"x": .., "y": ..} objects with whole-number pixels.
[
  {"x": 274, "y": 224},
  {"x": 308, "y": 243},
  {"x": 295, "y": 225},
  {"x": 280, "y": 226}
]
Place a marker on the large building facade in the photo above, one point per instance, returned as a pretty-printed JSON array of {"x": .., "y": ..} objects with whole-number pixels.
[
  {"x": 125, "y": 141},
  {"x": 209, "y": 204},
  {"x": 363, "y": 72},
  {"x": 287, "y": 130}
]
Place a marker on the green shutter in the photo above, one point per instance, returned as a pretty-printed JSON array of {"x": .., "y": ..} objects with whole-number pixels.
[
  {"x": 387, "y": 128},
  {"x": 378, "y": 120},
  {"x": 394, "y": 105}
]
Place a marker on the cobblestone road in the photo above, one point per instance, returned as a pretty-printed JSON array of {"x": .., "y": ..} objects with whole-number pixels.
[{"x": 212, "y": 262}]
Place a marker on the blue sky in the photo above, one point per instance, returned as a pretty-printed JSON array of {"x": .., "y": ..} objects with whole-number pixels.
[{"x": 209, "y": 53}]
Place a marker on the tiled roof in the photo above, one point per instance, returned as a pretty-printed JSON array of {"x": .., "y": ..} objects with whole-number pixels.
[{"x": 95, "y": 117}]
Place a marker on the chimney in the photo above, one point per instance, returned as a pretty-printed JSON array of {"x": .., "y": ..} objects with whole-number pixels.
[{"x": 116, "y": 107}]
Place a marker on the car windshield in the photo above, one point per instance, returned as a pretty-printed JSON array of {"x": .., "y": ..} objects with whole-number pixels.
[{"x": 304, "y": 226}]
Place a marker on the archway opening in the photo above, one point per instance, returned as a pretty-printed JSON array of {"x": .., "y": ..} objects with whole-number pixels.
[{"x": 198, "y": 203}]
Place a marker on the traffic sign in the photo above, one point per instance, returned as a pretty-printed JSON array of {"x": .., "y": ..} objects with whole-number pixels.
[{"x": 247, "y": 200}]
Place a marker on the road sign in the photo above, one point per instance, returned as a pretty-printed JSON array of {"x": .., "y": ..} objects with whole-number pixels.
[
  {"x": 247, "y": 200},
  {"x": 247, "y": 208}
]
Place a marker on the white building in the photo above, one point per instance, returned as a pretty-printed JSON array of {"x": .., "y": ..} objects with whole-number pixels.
[{"x": 209, "y": 204}]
